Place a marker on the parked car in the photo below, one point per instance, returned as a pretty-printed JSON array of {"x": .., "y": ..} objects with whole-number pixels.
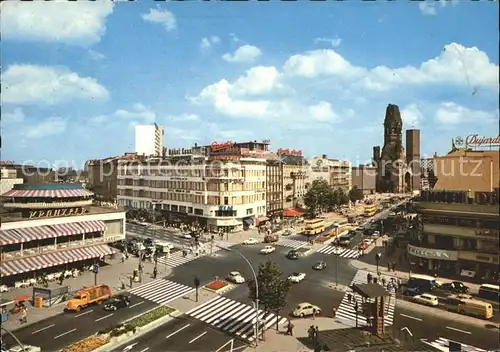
[
  {"x": 305, "y": 309},
  {"x": 426, "y": 299},
  {"x": 251, "y": 241},
  {"x": 117, "y": 302},
  {"x": 319, "y": 265},
  {"x": 293, "y": 254},
  {"x": 454, "y": 287},
  {"x": 267, "y": 250},
  {"x": 297, "y": 277},
  {"x": 235, "y": 276},
  {"x": 186, "y": 236}
]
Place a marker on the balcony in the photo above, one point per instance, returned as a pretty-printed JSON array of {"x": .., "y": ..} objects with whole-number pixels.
[
  {"x": 31, "y": 252},
  {"x": 48, "y": 205},
  {"x": 298, "y": 174}
]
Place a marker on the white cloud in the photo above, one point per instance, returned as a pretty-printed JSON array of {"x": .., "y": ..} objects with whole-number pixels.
[
  {"x": 411, "y": 115},
  {"x": 335, "y": 42},
  {"x": 207, "y": 43},
  {"x": 163, "y": 17},
  {"x": 51, "y": 126},
  {"x": 455, "y": 65},
  {"x": 15, "y": 116},
  {"x": 245, "y": 53},
  {"x": 30, "y": 84},
  {"x": 184, "y": 117},
  {"x": 429, "y": 8},
  {"x": 139, "y": 113},
  {"x": 78, "y": 22},
  {"x": 322, "y": 112},
  {"x": 450, "y": 113}
]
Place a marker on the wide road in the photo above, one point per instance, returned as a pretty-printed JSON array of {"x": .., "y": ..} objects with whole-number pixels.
[
  {"x": 449, "y": 326},
  {"x": 60, "y": 331},
  {"x": 183, "y": 334},
  {"x": 157, "y": 233}
]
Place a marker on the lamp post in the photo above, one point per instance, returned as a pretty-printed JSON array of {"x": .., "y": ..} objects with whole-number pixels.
[
  {"x": 14, "y": 337},
  {"x": 256, "y": 290}
]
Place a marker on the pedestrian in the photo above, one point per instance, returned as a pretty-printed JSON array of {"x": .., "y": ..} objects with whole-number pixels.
[
  {"x": 289, "y": 328},
  {"x": 131, "y": 278},
  {"x": 388, "y": 266},
  {"x": 123, "y": 258},
  {"x": 310, "y": 332},
  {"x": 393, "y": 266},
  {"x": 349, "y": 297},
  {"x": 24, "y": 315},
  {"x": 122, "y": 283},
  {"x": 383, "y": 281},
  {"x": 314, "y": 313},
  {"x": 155, "y": 272},
  {"x": 316, "y": 333},
  {"x": 61, "y": 279}
]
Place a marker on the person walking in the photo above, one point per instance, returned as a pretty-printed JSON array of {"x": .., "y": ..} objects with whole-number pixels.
[
  {"x": 314, "y": 313},
  {"x": 155, "y": 272},
  {"x": 24, "y": 315},
  {"x": 289, "y": 328}
]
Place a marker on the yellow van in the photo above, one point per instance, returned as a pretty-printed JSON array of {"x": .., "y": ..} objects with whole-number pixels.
[{"x": 469, "y": 306}]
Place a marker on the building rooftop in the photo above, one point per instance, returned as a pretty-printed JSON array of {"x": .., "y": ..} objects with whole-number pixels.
[{"x": 8, "y": 216}]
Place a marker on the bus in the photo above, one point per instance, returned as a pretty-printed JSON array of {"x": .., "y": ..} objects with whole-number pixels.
[
  {"x": 489, "y": 292},
  {"x": 418, "y": 284},
  {"x": 370, "y": 210},
  {"x": 314, "y": 227}
]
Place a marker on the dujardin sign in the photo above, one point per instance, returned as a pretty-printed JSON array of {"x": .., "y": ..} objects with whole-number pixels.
[
  {"x": 430, "y": 253},
  {"x": 37, "y": 214},
  {"x": 475, "y": 140}
]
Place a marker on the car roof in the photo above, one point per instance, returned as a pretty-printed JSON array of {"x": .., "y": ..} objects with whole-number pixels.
[
  {"x": 304, "y": 304},
  {"x": 234, "y": 272}
]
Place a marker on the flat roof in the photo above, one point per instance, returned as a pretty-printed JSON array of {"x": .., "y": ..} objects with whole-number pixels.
[
  {"x": 370, "y": 290},
  {"x": 92, "y": 210}
]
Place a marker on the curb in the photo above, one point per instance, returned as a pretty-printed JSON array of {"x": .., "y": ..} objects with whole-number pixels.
[{"x": 139, "y": 332}]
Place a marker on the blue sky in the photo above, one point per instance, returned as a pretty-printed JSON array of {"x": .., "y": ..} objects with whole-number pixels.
[{"x": 76, "y": 77}]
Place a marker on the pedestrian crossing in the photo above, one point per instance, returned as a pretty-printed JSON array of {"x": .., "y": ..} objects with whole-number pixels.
[
  {"x": 346, "y": 311},
  {"x": 341, "y": 252},
  {"x": 443, "y": 344},
  {"x": 294, "y": 244},
  {"x": 234, "y": 317},
  {"x": 161, "y": 291},
  {"x": 176, "y": 259}
]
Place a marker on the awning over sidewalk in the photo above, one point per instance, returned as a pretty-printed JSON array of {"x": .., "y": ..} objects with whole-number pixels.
[
  {"x": 26, "y": 234},
  {"x": 68, "y": 229},
  {"x": 52, "y": 259},
  {"x": 93, "y": 226},
  {"x": 292, "y": 213},
  {"x": 248, "y": 221}
]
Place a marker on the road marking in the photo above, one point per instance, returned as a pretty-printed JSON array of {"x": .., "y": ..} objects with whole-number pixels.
[
  {"x": 136, "y": 304},
  {"x": 104, "y": 317},
  {"x": 144, "y": 350},
  {"x": 84, "y": 313},
  {"x": 410, "y": 317},
  {"x": 462, "y": 331},
  {"x": 129, "y": 347},
  {"x": 175, "y": 332},
  {"x": 197, "y": 337},
  {"x": 64, "y": 333},
  {"x": 45, "y": 328}
]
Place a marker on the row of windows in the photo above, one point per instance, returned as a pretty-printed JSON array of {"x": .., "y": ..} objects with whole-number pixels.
[
  {"x": 197, "y": 186},
  {"x": 194, "y": 171}
]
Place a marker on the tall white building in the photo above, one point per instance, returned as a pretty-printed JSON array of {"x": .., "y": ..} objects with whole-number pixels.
[
  {"x": 337, "y": 172},
  {"x": 149, "y": 140}
]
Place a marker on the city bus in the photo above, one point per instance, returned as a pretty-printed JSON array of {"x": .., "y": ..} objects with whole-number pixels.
[
  {"x": 314, "y": 227},
  {"x": 489, "y": 292},
  {"x": 370, "y": 210}
]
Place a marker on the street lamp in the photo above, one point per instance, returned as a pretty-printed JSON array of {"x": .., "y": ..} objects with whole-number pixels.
[
  {"x": 256, "y": 289},
  {"x": 377, "y": 259},
  {"x": 14, "y": 337}
]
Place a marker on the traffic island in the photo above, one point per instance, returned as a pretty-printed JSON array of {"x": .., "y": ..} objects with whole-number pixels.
[
  {"x": 321, "y": 239},
  {"x": 112, "y": 337},
  {"x": 218, "y": 286}
]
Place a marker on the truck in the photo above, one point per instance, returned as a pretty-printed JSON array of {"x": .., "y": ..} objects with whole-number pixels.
[{"x": 88, "y": 295}]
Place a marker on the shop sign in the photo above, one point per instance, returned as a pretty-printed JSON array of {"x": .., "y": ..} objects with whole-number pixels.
[
  {"x": 432, "y": 253},
  {"x": 219, "y": 146},
  {"x": 35, "y": 214},
  {"x": 289, "y": 152},
  {"x": 225, "y": 208}
]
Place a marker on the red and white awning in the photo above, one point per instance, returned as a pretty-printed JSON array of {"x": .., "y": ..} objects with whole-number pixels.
[
  {"x": 48, "y": 193},
  {"x": 25, "y": 234},
  {"x": 68, "y": 229},
  {"x": 48, "y": 260},
  {"x": 93, "y": 226}
]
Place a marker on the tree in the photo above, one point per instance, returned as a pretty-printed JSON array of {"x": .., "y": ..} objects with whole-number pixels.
[
  {"x": 355, "y": 194},
  {"x": 273, "y": 289},
  {"x": 339, "y": 196},
  {"x": 318, "y": 197}
]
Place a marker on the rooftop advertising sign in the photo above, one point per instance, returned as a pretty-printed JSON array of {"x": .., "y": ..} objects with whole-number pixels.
[
  {"x": 475, "y": 140},
  {"x": 289, "y": 152},
  {"x": 220, "y": 146}
]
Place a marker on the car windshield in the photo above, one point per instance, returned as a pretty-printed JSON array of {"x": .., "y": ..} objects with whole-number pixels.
[{"x": 295, "y": 274}]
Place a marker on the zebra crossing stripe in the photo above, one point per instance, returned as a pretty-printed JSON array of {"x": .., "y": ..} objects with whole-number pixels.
[
  {"x": 443, "y": 344},
  {"x": 233, "y": 317},
  {"x": 161, "y": 291},
  {"x": 294, "y": 244},
  {"x": 341, "y": 252}
]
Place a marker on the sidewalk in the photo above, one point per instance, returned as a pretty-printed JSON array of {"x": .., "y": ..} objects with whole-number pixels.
[{"x": 111, "y": 275}]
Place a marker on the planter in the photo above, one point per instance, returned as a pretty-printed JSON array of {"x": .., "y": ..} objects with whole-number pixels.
[
  {"x": 321, "y": 239},
  {"x": 87, "y": 345},
  {"x": 218, "y": 286}
]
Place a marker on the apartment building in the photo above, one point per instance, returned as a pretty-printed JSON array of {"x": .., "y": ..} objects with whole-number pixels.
[
  {"x": 221, "y": 186},
  {"x": 460, "y": 218},
  {"x": 338, "y": 173},
  {"x": 274, "y": 185},
  {"x": 149, "y": 140},
  {"x": 295, "y": 180},
  {"x": 8, "y": 180}
]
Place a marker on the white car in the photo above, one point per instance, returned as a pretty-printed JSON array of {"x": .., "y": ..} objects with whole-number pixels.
[
  {"x": 267, "y": 250},
  {"x": 251, "y": 241},
  {"x": 427, "y": 299},
  {"x": 235, "y": 276},
  {"x": 368, "y": 241},
  {"x": 186, "y": 236},
  {"x": 297, "y": 277}
]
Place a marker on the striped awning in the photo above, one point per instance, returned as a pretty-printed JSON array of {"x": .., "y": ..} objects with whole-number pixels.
[
  {"x": 68, "y": 229},
  {"x": 48, "y": 193},
  {"x": 93, "y": 226},
  {"x": 52, "y": 259},
  {"x": 25, "y": 234}
]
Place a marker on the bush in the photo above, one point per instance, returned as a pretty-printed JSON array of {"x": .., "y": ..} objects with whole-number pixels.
[
  {"x": 87, "y": 345},
  {"x": 216, "y": 285},
  {"x": 150, "y": 316}
]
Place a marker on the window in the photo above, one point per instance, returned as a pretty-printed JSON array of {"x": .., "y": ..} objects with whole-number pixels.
[
  {"x": 198, "y": 211},
  {"x": 249, "y": 211},
  {"x": 226, "y": 200}
]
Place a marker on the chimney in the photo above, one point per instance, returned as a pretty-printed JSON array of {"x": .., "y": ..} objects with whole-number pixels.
[{"x": 323, "y": 156}]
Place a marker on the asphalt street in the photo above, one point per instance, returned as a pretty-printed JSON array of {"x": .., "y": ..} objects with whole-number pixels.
[
  {"x": 183, "y": 334},
  {"x": 60, "y": 331},
  {"x": 432, "y": 327},
  {"x": 157, "y": 233}
]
